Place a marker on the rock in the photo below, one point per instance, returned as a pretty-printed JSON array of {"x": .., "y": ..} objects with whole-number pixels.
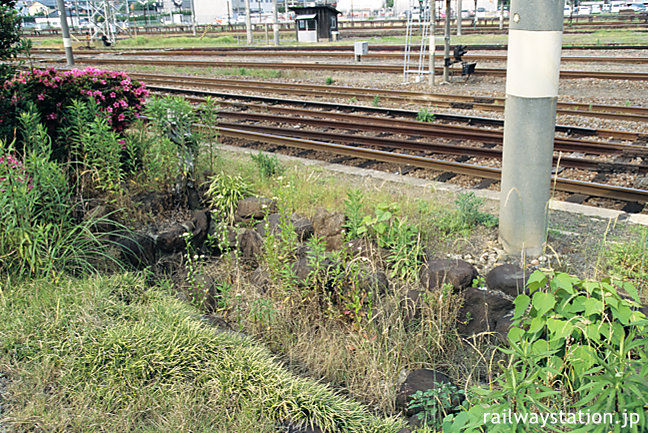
[
  {"x": 150, "y": 202},
  {"x": 261, "y": 278},
  {"x": 509, "y": 279},
  {"x": 414, "y": 421},
  {"x": 269, "y": 226},
  {"x": 218, "y": 322},
  {"x": 435, "y": 273},
  {"x": 418, "y": 380},
  {"x": 250, "y": 245},
  {"x": 411, "y": 305},
  {"x": 201, "y": 291},
  {"x": 640, "y": 182},
  {"x": 224, "y": 237},
  {"x": 502, "y": 328},
  {"x": 255, "y": 208},
  {"x": 481, "y": 311},
  {"x": 272, "y": 226},
  {"x": 99, "y": 219},
  {"x": 303, "y": 227},
  {"x": 173, "y": 239},
  {"x": 138, "y": 249},
  {"x": 328, "y": 225},
  {"x": 369, "y": 280},
  {"x": 200, "y": 227}
]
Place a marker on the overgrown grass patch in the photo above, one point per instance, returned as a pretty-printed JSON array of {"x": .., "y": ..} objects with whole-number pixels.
[{"x": 108, "y": 352}]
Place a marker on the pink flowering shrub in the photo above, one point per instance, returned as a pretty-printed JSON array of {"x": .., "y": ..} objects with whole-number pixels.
[
  {"x": 119, "y": 98},
  {"x": 13, "y": 174}
]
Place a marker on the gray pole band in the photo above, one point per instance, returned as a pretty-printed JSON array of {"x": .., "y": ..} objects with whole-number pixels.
[{"x": 536, "y": 15}]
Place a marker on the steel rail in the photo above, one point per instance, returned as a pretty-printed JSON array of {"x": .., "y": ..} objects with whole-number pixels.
[
  {"x": 471, "y": 120},
  {"x": 488, "y": 103},
  {"x": 430, "y": 130},
  {"x": 359, "y": 67},
  {"x": 335, "y": 54},
  {"x": 561, "y": 184},
  {"x": 438, "y": 148}
]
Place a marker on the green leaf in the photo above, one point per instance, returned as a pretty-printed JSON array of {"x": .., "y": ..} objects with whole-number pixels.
[
  {"x": 577, "y": 304},
  {"x": 623, "y": 314},
  {"x": 581, "y": 358},
  {"x": 543, "y": 302},
  {"x": 521, "y": 303},
  {"x": 563, "y": 281},
  {"x": 537, "y": 324},
  {"x": 632, "y": 291},
  {"x": 537, "y": 280},
  {"x": 560, "y": 328},
  {"x": 593, "y": 306},
  {"x": 515, "y": 334}
]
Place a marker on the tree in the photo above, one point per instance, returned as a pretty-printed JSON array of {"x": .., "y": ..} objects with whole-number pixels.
[{"x": 11, "y": 43}]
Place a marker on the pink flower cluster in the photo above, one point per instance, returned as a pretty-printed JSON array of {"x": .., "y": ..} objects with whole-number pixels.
[
  {"x": 9, "y": 164},
  {"x": 117, "y": 95}
]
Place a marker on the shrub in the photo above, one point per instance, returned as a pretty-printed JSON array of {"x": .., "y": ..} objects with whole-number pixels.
[
  {"x": 118, "y": 97},
  {"x": 575, "y": 346},
  {"x": 39, "y": 235},
  {"x": 268, "y": 165},
  {"x": 224, "y": 193}
]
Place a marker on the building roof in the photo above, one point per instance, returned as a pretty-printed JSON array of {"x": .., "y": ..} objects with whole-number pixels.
[{"x": 306, "y": 9}]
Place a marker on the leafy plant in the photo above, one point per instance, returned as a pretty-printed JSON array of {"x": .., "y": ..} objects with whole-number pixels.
[
  {"x": 376, "y": 101},
  {"x": 436, "y": 403},
  {"x": 268, "y": 165},
  {"x": 353, "y": 216},
  {"x": 224, "y": 192},
  {"x": 627, "y": 259},
  {"x": 353, "y": 100},
  {"x": 575, "y": 346},
  {"x": 329, "y": 81},
  {"x": 425, "y": 116},
  {"x": 208, "y": 118}
]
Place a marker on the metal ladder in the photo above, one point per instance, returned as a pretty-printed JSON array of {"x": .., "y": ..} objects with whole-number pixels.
[{"x": 417, "y": 26}]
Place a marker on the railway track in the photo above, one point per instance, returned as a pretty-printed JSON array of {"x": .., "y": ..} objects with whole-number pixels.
[
  {"x": 388, "y": 149},
  {"x": 354, "y": 67},
  {"x": 337, "y": 54},
  {"x": 496, "y": 104}
]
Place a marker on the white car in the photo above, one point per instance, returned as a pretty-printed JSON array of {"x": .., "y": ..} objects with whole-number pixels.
[{"x": 568, "y": 11}]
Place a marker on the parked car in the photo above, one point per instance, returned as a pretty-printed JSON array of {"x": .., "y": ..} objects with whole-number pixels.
[
  {"x": 568, "y": 11},
  {"x": 481, "y": 13}
]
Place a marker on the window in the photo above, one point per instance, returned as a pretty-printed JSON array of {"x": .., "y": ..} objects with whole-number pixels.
[
  {"x": 301, "y": 24},
  {"x": 311, "y": 25},
  {"x": 333, "y": 23}
]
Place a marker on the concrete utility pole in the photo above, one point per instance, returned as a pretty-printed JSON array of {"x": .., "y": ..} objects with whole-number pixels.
[
  {"x": 532, "y": 71},
  {"x": 193, "y": 18},
  {"x": 446, "y": 48},
  {"x": 459, "y": 7},
  {"x": 501, "y": 15},
  {"x": 275, "y": 23},
  {"x": 248, "y": 22},
  {"x": 431, "y": 78},
  {"x": 67, "y": 41}
]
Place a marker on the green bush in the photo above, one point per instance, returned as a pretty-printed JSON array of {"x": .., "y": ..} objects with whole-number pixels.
[
  {"x": 268, "y": 165},
  {"x": 575, "y": 346},
  {"x": 40, "y": 236},
  {"x": 224, "y": 192}
]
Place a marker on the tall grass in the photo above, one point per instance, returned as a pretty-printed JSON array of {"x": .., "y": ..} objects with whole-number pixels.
[{"x": 109, "y": 352}]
